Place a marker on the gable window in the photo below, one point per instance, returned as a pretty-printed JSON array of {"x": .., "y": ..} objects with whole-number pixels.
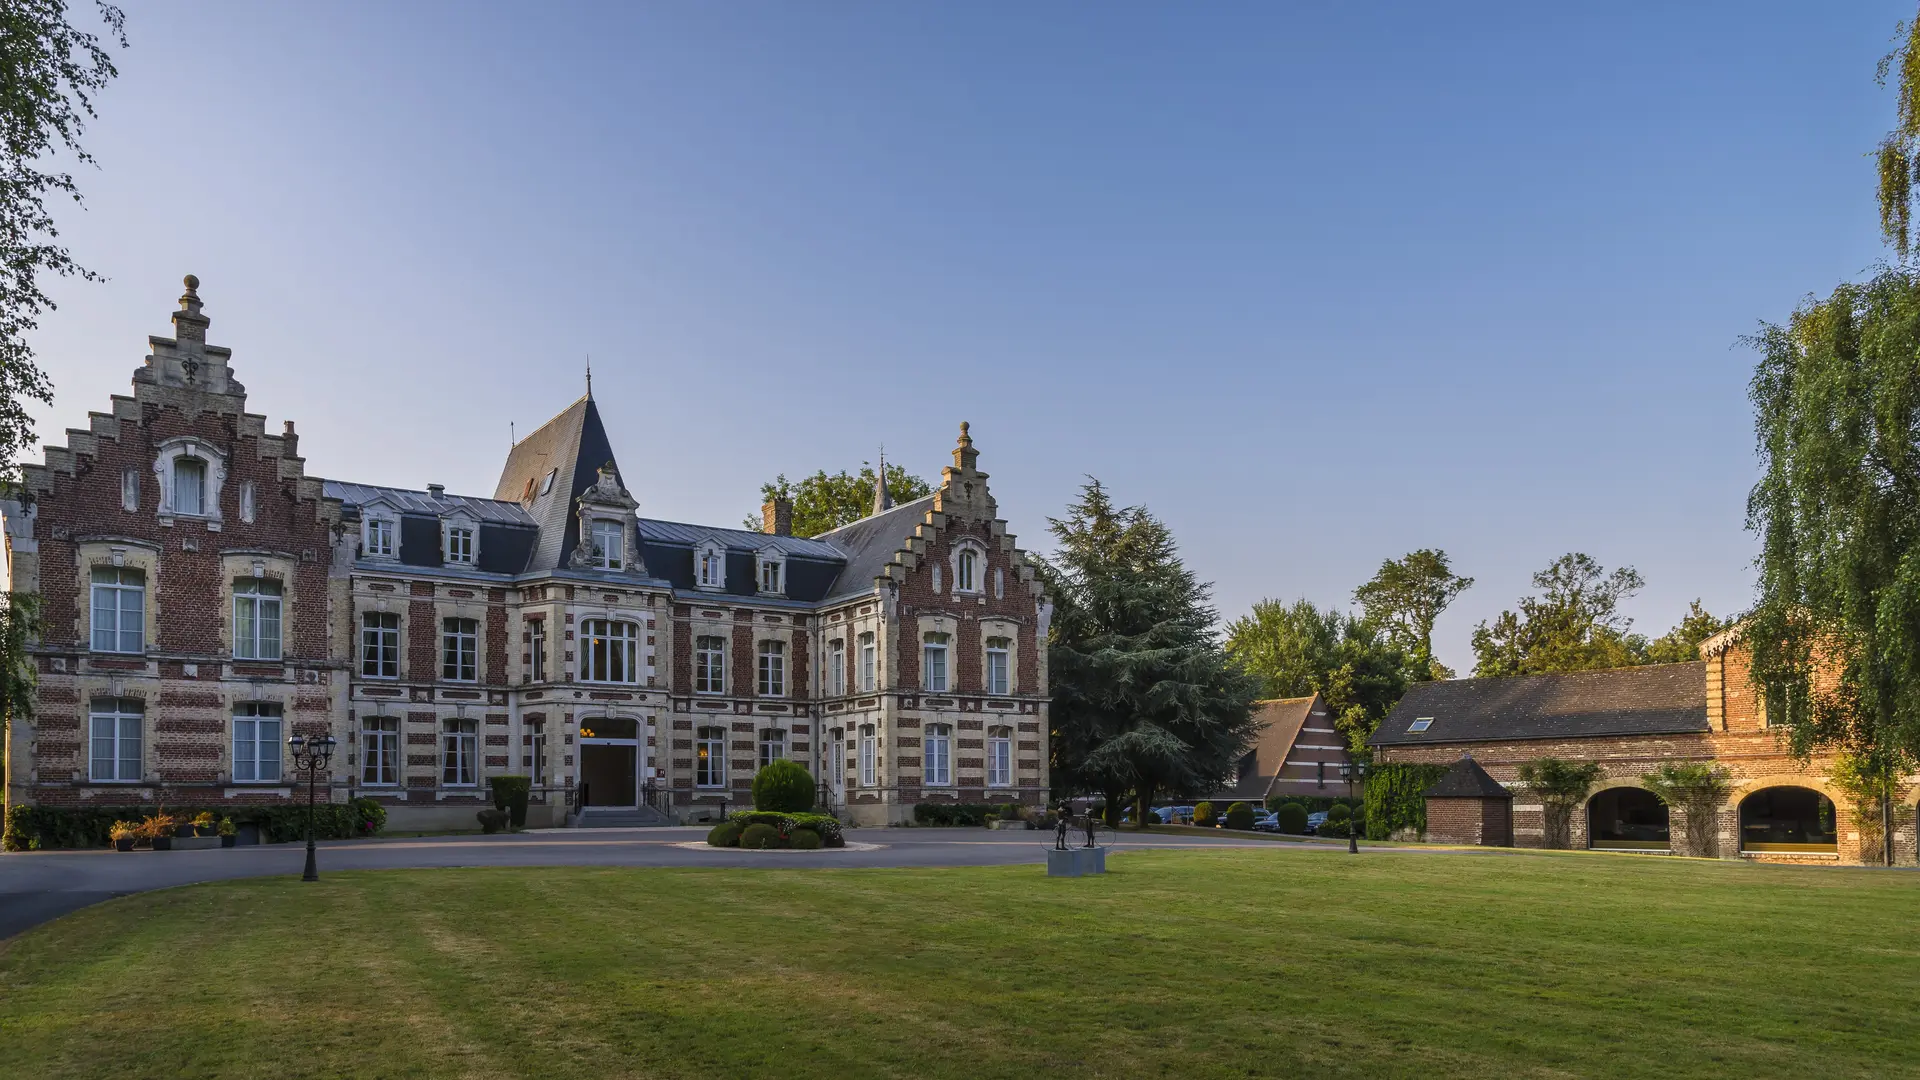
[
  {"x": 190, "y": 486},
  {"x": 773, "y": 669},
  {"x": 379, "y": 542},
  {"x": 772, "y": 573},
  {"x": 537, "y": 644},
  {"x": 836, "y": 667},
  {"x": 460, "y": 544},
  {"x": 247, "y": 501},
  {"x": 773, "y": 746},
  {"x": 380, "y": 750},
  {"x": 867, "y": 662},
  {"x": 933, "y": 676},
  {"x": 710, "y": 567},
  {"x": 256, "y": 619},
  {"x": 459, "y": 754},
  {"x": 966, "y": 571},
  {"x": 609, "y": 544},
  {"x": 256, "y": 742},
  {"x": 380, "y": 645},
  {"x": 997, "y": 653},
  {"x": 114, "y": 740},
  {"x": 119, "y": 617},
  {"x": 710, "y": 758},
  {"x": 936, "y": 578},
  {"x": 1000, "y": 757},
  {"x": 939, "y": 756},
  {"x": 999, "y": 583},
  {"x": 867, "y": 772},
  {"x": 710, "y": 665},
  {"x": 609, "y": 651},
  {"x": 460, "y": 650}
]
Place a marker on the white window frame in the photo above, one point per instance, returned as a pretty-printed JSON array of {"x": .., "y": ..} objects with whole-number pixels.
[
  {"x": 710, "y": 566},
  {"x": 999, "y": 666},
  {"x": 837, "y": 742},
  {"x": 709, "y": 664},
  {"x": 1420, "y": 724},
  {"x": 868, "y": 773},
  {"x": 199, "y": 490},
  {"x": 1000, "y": 757},
  {"x": 836, "y": 667},
  {"x": 251, "y": 640},
  {"x": 770, "y": 572},
  {"x": 248, "y": 501},
  {"x": 537, "y": 766},
  {"x": 124, "y": 738},
  {"x": 257, "y": 733},
  {"x": 773, "y": 746},
  {"x": 609, "y": 556},
  {"x": 460, "y": 542},
  {"x": 462, "y": 645},
  {"x": 379, "y": 538},
  {"x": 869, "y": 661},
  {"x": 117, "y": 592},
  {"x": 771, "y": 666},
  {"x": 379, "y": 645},
  {"x": 936, "y": 756},
  {"x": 609, "y": 651},
  {"x": 460, "y": 753},
  {"x": 934, "y": 657},
  {"x": 537, "y": 646},
  {"x": 380, "y": 751},
  {"x": 710, "y": 757},
  {"x": 213, "y": 474}
]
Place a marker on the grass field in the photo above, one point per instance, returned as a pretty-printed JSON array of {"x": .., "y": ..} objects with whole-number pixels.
[{"x": 1270, "y": 962}]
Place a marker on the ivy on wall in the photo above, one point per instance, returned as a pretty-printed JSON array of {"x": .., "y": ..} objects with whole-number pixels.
[{"x": 1395, "y": 797}]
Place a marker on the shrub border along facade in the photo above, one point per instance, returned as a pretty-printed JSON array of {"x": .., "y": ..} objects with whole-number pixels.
[{"x": 39, "y": 828}]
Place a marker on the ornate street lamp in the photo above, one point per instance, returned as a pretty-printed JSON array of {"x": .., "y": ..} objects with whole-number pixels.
[
  {"x": 311, "y": 755},
  {"x": 1353, "y": 772}
]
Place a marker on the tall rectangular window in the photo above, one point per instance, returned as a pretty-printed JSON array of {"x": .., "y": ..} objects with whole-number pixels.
[
  {"x": 380, "y": 750},
  {"x": 997, "y": 650},
  {"x": 537, "y": 751},
  {"x": 256, "y": 742},
  {"x": 837, "y": 750},
  {"x": 256, "y": 619},
  {"x": 119, "y": 611},
  {"x": 459, "y": 765},
  {"x": 460, "y": 544},
  {"x": 773, "y": 746},
  {"x": 380, "y": 644},
  {"x": 868, "y": 655},
  {"x": 114, "y": 740},
  {"x": 710, "y": 665},
  {"x": 836, "y": 667},
  {"x": 710, "y": 758},
  {"x": 933, "y": 674},
  {"x": 609, "y": 544},
  {"x": 966, "y": 571},
  {"x": 537, "y": 644},
  {"x": 609, "y": 651},
  {"x": 938, "y": 754},
  {"x": 190, "y": 486},
  {"x": 460, "y": 650},
  {"x": 769, "y": 575},
  {"x": 867, "y": 750},
  {"x": 773, "y": 668},
  {"x": 380, "y": 538},
  {"x": 1000, "y": 757}
]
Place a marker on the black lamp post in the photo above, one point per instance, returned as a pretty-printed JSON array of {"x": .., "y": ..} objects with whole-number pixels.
[
  {"x": 311, "y": 755},
  {"x": 1353, "y": 771}
]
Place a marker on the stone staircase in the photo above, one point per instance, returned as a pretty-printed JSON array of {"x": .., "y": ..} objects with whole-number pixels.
[{"x": 594, "y": 817}]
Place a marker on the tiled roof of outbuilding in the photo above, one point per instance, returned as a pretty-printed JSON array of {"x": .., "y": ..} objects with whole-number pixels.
[
  {"x": 1465, "y": 779},
  {"x": 1657, "y": 699}
]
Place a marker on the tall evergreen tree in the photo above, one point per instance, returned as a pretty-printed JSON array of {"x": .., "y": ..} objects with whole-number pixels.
[
  {"x": 1145, "y": 700},
  {"x": 1405, "y": 596}
]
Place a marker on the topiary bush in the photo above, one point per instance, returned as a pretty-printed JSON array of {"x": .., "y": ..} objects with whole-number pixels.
[
  {"x": 783, "y": 787},
  {"x": 492, "y": 821},
  {"x": 725, "y": 834},
  {"x": 510, "y": 794},
  {"x": 806, "y": 840},
  {"x": 1339, "y": 812},
  {"x": 1203, "y": 815},
  {"x": 1239, "y": 816},
  {"x": 1291, "y": 817},
  {"x": 759, "y": 837}
]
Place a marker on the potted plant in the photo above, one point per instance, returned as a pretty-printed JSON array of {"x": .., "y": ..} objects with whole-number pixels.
[
  {"x": 124, "y": 833},
  {"x": 205, "y": 824},
  {"x": 159, "y": 830},
  {"x": 228, "y": 834}
]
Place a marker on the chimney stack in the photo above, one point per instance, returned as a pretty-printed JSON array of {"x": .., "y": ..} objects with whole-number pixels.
[
  {"x": 291, "y": 440},
  {"x": 437, "y": 490},
  {"x": 777, "y": 516}
]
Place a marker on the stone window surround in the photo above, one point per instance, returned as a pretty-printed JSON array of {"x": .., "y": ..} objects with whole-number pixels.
[
  {"x": 710, "y": 546},
  {"x": 379, "y": 511},
  {"x": 147, "y": 693},
  {"x": 191, "y": 446},
  {"x": 968, "y": 543},
  {"x": 588, "y": 519},
  {"x": 261, "y": 564},
  {"x": 125, "y": 553},
  {"x": 938, "y": 624},
  {"x": 366, "y": 605},
  {"x": 999, "y": 628},
  {"x": 769, "y": 555},
  {"x": 456, "y": 520}
]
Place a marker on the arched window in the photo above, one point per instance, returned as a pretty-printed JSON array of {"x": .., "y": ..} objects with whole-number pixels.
[
  {"x": 710, "y": 758},
  {"x": 1792, "y": 819},
  {"x": 966, "y": 575},
  {"x": 609, "y": 651},
  {"x": 1000, "y": 757},
  {"x": 1629, "y": 819},
  {"x": 937, "y": 752}
]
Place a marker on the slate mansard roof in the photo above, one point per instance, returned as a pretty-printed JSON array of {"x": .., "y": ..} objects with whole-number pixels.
[{"x": 1658, "y": 699}]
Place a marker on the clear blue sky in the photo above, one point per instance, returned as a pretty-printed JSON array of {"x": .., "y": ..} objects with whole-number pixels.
[{"x": 1317, "y": 284}]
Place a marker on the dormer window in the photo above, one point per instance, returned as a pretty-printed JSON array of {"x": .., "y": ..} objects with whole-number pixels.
[
  {"x": 190, "y": 486},
  {"x": 710, "y": 566},
  {"x": 379, "y": 538},
  {"x": 609, "y": 544},
  {"x": 460, "y": 544},
  {"x": 772, "y": 568}
]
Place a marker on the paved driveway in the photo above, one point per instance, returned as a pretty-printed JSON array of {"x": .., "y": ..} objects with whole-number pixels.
[{"x": 38, "y": 886}]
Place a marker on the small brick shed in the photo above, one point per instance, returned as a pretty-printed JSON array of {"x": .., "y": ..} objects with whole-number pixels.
[{"x": 1467, "y": 806}]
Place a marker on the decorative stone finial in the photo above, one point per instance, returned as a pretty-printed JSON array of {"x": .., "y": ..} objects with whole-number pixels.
[
  {"x": 190, "y": 300},
  {"x": 964, "y": 455}
]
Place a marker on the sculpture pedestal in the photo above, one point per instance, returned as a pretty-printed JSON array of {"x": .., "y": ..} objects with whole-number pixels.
[{"x": 1076, "y": 862}]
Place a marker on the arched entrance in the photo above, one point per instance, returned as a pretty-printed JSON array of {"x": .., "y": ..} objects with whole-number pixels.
[
  {"x": 1788, "y": 819},
  {"x": 610, "y": 761},
  {"x": 1627, "y": 819}
]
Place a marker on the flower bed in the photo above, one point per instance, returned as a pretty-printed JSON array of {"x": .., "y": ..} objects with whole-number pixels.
[{"x": 766, "y": 830}]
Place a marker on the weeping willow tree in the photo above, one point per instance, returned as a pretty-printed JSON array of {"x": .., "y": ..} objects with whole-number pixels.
[{"x": 1899, "y": 155}]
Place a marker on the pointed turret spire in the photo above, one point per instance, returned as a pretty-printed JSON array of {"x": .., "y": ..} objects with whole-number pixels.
[
  {"x": 589, "y": 374},
  {"x": 882, "y": 498}
]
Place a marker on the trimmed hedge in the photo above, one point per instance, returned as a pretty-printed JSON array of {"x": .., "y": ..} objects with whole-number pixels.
[
  {"x": 36, "y": 828},
  {"x": 1203, "y": 815},
  {"x": 1312, "y": 804},
  {"x": 783, "y": 787},
  {"x": 758, "y": 837},
  {"x": 1395, "y": 800},
  {"x": 725, "y": 834},
  {"x": 806, "y": 840},
  {"x": 1239, "y": 816},
  {"x": 825, "y": 826},
  {"x": 1291, "y": 817},
  {"x": 952, "y": 813}
]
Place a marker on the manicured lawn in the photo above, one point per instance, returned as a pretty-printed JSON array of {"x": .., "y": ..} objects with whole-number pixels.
[{"x": 1261, "y": 962}]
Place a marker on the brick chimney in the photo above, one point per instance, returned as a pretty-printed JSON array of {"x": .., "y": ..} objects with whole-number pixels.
[{"x": 776, "y": 517}]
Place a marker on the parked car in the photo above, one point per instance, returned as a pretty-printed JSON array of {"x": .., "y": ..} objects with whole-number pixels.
[
  {"x": 1314, "y": 821},
  {"x": 1176, "y": 815},
  {"x": 1266, "y": 821}
]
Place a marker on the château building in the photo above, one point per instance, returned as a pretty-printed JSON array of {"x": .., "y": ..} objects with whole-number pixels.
[{"x": 204, "y": 597}]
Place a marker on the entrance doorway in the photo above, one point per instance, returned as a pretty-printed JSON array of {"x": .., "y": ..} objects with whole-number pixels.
[{"x": 610, "y": 762}]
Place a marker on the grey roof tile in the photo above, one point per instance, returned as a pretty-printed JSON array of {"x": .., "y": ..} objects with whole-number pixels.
[
  {"x": 1656, "y": 699},
  {"x": 408, "y": 501}
]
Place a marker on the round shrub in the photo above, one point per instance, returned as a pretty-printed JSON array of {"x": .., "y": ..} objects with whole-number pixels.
[
  {"x": 784, "y": 787},
  {"x": 1291, "y": 817},
  {"x": 806, "y": 840},
  {"x": 1240, "y": 816},
  {"x": 1203, "y": 815},
  {"x": 725, "y": 834},
  {"x": 759, "y": 837},
  {"x": 1336, "y": 829},
  {"x": 1339, "y": 812},
  {"x": 492, "y": 821}
]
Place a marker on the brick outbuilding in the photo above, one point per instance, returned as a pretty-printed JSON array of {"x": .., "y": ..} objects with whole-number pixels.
[{"x": 1468, "y": 806}]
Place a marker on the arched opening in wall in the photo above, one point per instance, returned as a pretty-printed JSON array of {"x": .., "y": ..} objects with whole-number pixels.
[
  {"x": 1627, "y": 819},
  {"x": 610, "y": 761},
  {"x": 1790, "y": 819}
]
